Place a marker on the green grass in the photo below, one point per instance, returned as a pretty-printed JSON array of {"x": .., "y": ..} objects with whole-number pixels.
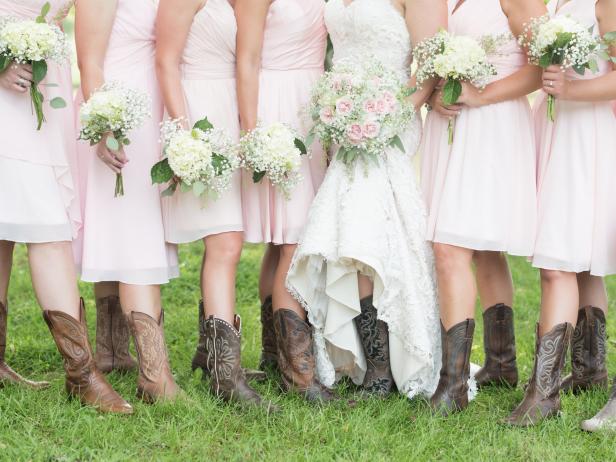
[{"x": 43, "y": 425}]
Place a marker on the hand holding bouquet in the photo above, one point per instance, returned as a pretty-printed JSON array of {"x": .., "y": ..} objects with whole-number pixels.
[
  {"x": 454, "y": 59},
  {"x": 273, "y": 152},
  {"x": 201, "y": 160},
  {"x": 112, "y": 112},
  {"x": 33, "y": 43},
  {"x": 361, "y": 110}
]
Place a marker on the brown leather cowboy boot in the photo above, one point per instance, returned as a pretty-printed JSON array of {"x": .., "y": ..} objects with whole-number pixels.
[
  {"x": 500, "y": 366},
  {"x": 374, "y": 336},
  {"x": 588, "y": 369},
  {"x": 155, "y": 382},
  {"x": 542, "y": 395},
  {"x": 451, "y": 394},
  {"x": 295, "y": 357},
  {"x": 227, "y": 378},
  {"x": 605, "y": 418},
  {"x": 8, "y": 375},
  {"x": 199, "y": 360},
  {"x": 112, "y": 337},
  {"x": 269, "y": 350},
  {"x": 83, "y": 380}
]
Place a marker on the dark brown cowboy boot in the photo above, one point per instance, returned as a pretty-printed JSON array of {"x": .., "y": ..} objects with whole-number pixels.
[
  {"x": 155, "y": 382},
  {"x": 374, "y": 337},
  {"x": 8, "y": 375},
  {"x": 269, "y": 350},
  {"x": 542, "y": 395},
  {"x": 199, "y": 360},
  {"x": 296, "y": 358},
  {"x": 227, "y": 378},
  {"x": 112, "y": 337},
  {"x": 451, "y": 395},
  {"x": 83, "y": 380},
  {"x": 500, "y": 367},
  {"x": 605, "y": 418},
  {"x": 588, "y": 369}
]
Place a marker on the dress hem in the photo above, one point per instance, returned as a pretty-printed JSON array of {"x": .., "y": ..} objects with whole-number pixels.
[
  {"x": 35, "y": 233},
  {"x": 478, "y": 244},
  {"x": 152, "y": 276},
  {"x": 192, "y": 236}
]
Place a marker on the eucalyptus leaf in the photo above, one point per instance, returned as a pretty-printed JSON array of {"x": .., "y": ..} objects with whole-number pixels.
[
  {"x": 112, "y": 144},
  {"x": 170, "y": 191},
  {"x": 57, "y": 103},
  {"x": 310, "y": 138},
  {"x": 397, "y": 142},
  {"x": 185, "y": 187},
  {"x": 46, "y": 9}
]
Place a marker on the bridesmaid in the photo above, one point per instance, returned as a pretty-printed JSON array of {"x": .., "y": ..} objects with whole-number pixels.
[
  {"x": 280, "y": 54},
  {"x": 124, "y": 250},
  {"x": 196, "y": 69},
  {"x": 481, "y": 197},
  {"x": 39, "y": 207},
  {"x": 576, "y": 232}
]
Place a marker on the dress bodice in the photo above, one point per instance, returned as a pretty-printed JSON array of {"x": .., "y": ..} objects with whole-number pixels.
[
  {"x": 368, "y": 29},
  {"x": 210, "y": 47},
  {"x": 295, "y": 35},
  {"x": 30, "y": 9}
]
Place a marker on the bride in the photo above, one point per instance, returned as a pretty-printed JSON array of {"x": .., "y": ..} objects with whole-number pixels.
[{"x": 363, "y": 270}]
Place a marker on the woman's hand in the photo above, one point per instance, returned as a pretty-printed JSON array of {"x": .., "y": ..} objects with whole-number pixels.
[
  {"x": 555, "y": 82},
  {"x": 115, "y": 160},
  {"x": 17, "y": 77},
  {"x": 471, "y": 96},
  {"x": 436, "y": 101}
]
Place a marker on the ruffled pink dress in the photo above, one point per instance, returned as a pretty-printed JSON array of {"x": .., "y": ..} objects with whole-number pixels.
[
  {"x": 293, "y": 59},
  {"x": 123, "y": 238},
  {"x": 38, "y": 197},
  {"x": 576, "y": 163},
  {"x": 208, "y": 80},
  {"x": 481, "y": 191}
]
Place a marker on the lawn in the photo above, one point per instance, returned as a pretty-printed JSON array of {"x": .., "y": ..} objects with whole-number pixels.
[{"x": 44, "y": 425}]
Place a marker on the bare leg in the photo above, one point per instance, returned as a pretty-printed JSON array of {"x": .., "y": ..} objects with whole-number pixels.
[
  {"x": 144, "y": 299},
  {"x": 6, "y": 264},
  {"x": 366, "y": 286},
  {"x": 493, "y": 279},
  {"x": 106, "y": 289},
  {"x": 281, "y": 297},
  {"x": 559, "y": 299},
  {"x": 223, "y": 252},
  {"x": 592, "y": 291},
  {"x": 269, "y": 266}
]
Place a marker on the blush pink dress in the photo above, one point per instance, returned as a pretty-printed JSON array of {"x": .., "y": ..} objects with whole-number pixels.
[
  {"x": 208, "y": 80},
  {"x": 38, "y": 196},
  {"x": 576, "y": 163},
  {"x": 123, "y": 237},
  {"x": 481, "y": 191},
  {"x": 293, "y": 59}
]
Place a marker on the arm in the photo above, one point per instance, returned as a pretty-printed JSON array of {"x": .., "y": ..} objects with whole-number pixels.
[
  {"x": 599, "y": 89},
  {"x": 172, "y": 27},
  {"x": 251, "y": 16}
]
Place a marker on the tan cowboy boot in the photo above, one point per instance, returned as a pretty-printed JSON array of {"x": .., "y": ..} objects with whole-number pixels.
[{"x": 112, "y": 337}]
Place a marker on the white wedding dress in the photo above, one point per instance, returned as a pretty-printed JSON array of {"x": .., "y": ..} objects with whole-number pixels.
[{"x": 372, "y": 222}]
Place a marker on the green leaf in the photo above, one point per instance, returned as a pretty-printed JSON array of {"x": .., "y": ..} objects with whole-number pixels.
[
  {"x": 170, "y": 191},
  {"x": 39, "y": 71},
  {"x": 257, "y": 176},
  {"x": 4, "y": 62},
  {"x": 57, "y": 103},
  {"x": 45, "y": 10},
  {"x": 593, "y": 66},
  {"x": 397, "y": 143},
  {"x": 310, "y": 138},
  {"x": 161, "y": 172},
  {"x": 299, "y": 144},
  {"x": 581, "y": 70},
  {"x": 125, "y": 142},
  {"x": 203, "y": 125},
  {"x": 545, "y": 60},
  {"x": 198, "y": 188},
  {"x": 185, "y": 187},
  {"x": 451, "y": 92},
  {"x": 220, "y": 163},
  {"x": 112, "y": 144}
]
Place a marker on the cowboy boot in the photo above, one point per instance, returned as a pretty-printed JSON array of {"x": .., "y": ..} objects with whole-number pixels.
[
  {"x": 500, "y": 366},
  {"x": 605, "y": 418},
  {"x": 542, "y": 395},
  {"x": 295, "y": 357},
  {"x": 451, "y": 394},
  {"x": 155, "y": 381},
  {"x": 199, "y": 360},
  {"x": 112, "y": 337},
  {"x": 228, "y": 381},
  {"x": 83, "y": 380},
  {"x": 8, "y": 375},
  {"x": 374, "y": 337},
  {"x": 269, "y": 350},
  {"x": 588, "y": 369}
]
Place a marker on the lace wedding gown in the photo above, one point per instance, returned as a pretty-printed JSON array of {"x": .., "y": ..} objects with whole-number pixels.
[{"x": 373, "y": 222}]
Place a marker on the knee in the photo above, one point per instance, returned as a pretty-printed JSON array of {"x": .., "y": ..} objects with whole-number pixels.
[
  {"x": 550, "y": 277},
  {"x": 226, "y": 250},
  {"x": 449, "y": 260},
  {"x": 489, "y": 258},
  {"x": 287, "y": 251}
]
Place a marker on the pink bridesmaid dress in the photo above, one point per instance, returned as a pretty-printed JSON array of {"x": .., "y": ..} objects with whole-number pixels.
[
  {"x": 123, "y": 237},
  {"x": 38, "y": 197},
  {"x": 481, "y": 191},
  {"x": 576, "y": 163},
  {"x": 208, "y": 80},
  {"x": 293, "y": 59}
]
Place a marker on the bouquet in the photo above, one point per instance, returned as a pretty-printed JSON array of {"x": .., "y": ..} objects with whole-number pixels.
[
  {"x": 454, "y": 59},
  {"x": 361, "y": 110},
  {"x": 33, "y": 43},
  {"x": 565, "y": 42},
  {"x": 274, "y": 152},
  {"x": 201, "y": 160},
  {"x": 113, "y": 110}
]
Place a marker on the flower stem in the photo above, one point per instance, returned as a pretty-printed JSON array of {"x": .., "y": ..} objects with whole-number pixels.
[
  {"x": 551, "y": 107},
  {"x": 451, "y": 129},
  {"x": 119, "y": 187}
]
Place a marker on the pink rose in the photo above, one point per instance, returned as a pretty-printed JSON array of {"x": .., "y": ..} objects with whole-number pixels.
[
  {"x": 389, "y": 97},
  {"x": 355, "y": 133},
  {"x": 371, "y": 129},
  {"x": 326, "y": 115},
  {"x": 344, "y": 106},
  {"x": 337, "y": 84},
  {"x": 382, "y": 107},
  {"x": 370, "y": 106}
]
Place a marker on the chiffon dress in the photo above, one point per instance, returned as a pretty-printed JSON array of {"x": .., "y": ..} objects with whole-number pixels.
[
  {"x": 481, "y": 191},
  {"x": 293, "y": 58},
  {"x": 576, "y": 159},
  {"x": 123, "y": 237},
  {"x": 38, "y": 196},
  {"x": 208, "y": 80}
]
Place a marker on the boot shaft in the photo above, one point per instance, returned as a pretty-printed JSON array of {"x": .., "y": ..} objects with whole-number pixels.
[
  {"x": 499, "y": 336},
  {"x": 550, "y": 355},
  {"x": 588, "y": 345},
  {"x": 3, "y": 327},
  {"x": 223, "y": 347},
  {"x": 150, "y": 344}
]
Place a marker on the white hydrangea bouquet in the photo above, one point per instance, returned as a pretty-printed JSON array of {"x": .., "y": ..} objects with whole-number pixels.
[
  {"x": 360, "y": 109},
  {"x": 454, "y": 59},
  {"x": 34, "y": 43},
  {"x": 114, "y": 110},
  {"x": 565, "y": 42},
  {"x": 273, "y": 152},
  {"x": 201, "y": 160}
]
